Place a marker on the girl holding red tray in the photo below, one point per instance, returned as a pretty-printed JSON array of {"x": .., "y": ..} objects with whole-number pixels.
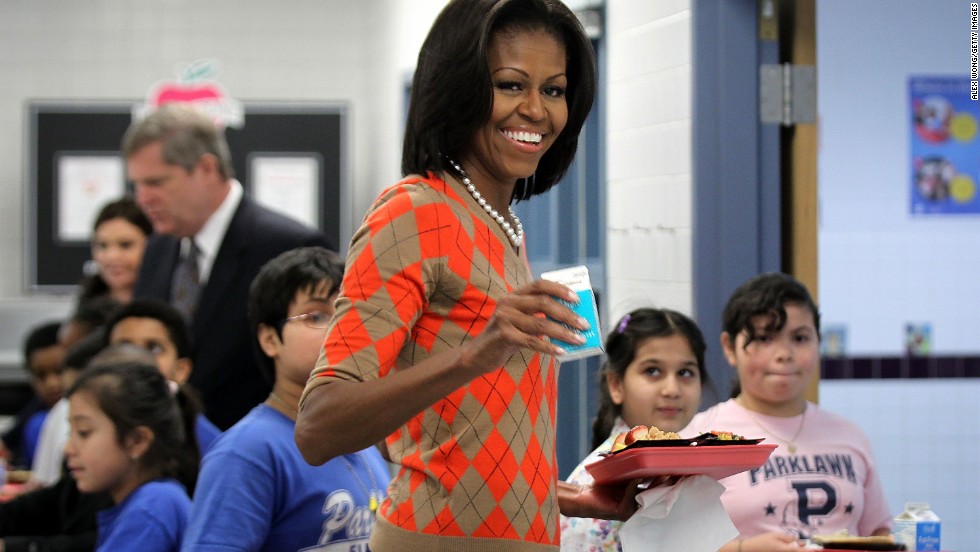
[{"x": 653, "y": 376}]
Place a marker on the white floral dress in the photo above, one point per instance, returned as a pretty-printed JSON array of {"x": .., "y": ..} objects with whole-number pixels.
[{"x": 587, "y": 534}]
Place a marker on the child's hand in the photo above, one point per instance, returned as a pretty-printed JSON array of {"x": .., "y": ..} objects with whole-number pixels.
[{"x": 767, "y": 542}]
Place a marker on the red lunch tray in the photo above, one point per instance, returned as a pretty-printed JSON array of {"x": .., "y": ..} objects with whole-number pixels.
[{"x": 714, "y": 461}]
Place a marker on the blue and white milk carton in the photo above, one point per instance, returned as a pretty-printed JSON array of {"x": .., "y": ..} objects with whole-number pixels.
[
  {"x": 918, "y": 527},
  {"x": 577, "y": 278}
]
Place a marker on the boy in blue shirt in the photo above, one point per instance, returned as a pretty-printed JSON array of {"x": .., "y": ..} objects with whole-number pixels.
[
  {"x": 43, "y": 356},
  {"x": 255, "y": 491},
  {"x": 160, "y": 329}
]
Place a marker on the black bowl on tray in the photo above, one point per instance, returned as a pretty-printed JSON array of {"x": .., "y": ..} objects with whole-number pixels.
[
  {"x": 713, "y": 440},
  {"x": 703, "y": 440}
]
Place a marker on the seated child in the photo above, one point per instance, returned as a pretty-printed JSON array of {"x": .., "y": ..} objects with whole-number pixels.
[
  {"x": 43, "y": 357},
  {"x": 82, "y": 336},
  {"x": 160, "y": 329},
  {"x": 132, "y": 438},
  {"x": 53, "y": 515},
  {"x": 255, "y": 491},
  {"x": 50, "y": 455}
]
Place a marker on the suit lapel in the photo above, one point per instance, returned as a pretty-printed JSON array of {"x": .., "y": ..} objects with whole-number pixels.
[
  {"x": 226, "y": 267},
  {"x": 156, "y": 271}
]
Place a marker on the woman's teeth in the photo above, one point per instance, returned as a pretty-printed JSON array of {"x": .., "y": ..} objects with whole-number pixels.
[{"x": 532, "y": 137}]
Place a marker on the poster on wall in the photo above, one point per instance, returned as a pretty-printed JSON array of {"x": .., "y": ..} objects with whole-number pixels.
[
  {"x": 918, "y": 338},
  {"x": 945, "y": 151},
  {"x": 833, "y": 340},
  {"x": 85, "y": 183}
]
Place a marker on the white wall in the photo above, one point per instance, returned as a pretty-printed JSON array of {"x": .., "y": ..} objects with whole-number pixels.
[
  {"x": 925, "y": 438},
  {"x": 648, "y": 155},
  {"x": 881, "y": 267}
]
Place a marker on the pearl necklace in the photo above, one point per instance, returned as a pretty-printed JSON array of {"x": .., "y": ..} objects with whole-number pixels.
[{"x": 516, "y": 236}]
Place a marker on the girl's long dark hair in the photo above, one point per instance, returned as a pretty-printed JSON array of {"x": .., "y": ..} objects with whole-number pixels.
[
  {"x": 133, "y": 393},
  {"x": 632, "y": 331}
]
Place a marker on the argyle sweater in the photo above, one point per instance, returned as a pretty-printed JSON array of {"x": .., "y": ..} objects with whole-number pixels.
[{"x": 477, "y": 470}]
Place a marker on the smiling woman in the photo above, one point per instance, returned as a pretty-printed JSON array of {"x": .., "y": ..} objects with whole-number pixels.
[
  {"x": 119, "y": 237},
  {"x": 439, "y": 322},
  {"x": 528, "y": 111}
]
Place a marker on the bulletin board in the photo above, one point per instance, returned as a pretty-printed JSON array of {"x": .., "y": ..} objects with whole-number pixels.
[{"x": 292, "y": 157}]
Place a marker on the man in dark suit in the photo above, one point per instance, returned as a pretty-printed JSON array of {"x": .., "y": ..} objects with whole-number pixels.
[{"x": 209, "y": 242}]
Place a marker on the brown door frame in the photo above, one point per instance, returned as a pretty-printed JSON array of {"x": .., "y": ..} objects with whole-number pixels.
[{"x": 801, "y": 158}]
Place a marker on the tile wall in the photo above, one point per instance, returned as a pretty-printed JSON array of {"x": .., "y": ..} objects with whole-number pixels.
[{"x": 648, "y": 147}]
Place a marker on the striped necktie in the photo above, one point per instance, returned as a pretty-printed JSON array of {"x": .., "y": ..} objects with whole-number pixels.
[{"x": 186, "y": 285}]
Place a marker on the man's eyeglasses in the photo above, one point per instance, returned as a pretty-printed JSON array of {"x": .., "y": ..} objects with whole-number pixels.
[{"x": 318, "y": 320}]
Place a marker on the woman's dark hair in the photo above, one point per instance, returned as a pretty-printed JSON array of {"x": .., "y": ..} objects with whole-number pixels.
[
  {"x": 766, "y": 294},
  {"x": 452, "y": 90},
  {"x": 276, "y": 285},
  {"x": 632, "y": 331},
  {"x": 123, "y": 208},
  {"x": 132, "y": 393}
]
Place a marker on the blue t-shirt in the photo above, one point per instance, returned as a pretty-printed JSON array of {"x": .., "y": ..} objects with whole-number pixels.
[
  {"x": 207, "y": 433},
  {"x": 255, "y": 492},
  {"x": 151, "y": 519}
]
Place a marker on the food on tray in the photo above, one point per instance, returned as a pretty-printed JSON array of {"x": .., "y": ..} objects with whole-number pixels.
[
  {"x": 18, "y": 476},
  {"x": 643, "y": 436},
  {"x": 619, "y": 443},
  {"x": 843, "y": 541},
  {"x": 655, "y": 434},
  {"x": 641, "y": 433},
  {"x": 725, "y": 436}
]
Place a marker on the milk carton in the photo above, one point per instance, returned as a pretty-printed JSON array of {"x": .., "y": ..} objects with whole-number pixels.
[
  {"x": 577, "y": 278},
  {"x": 917, "y": 527}
]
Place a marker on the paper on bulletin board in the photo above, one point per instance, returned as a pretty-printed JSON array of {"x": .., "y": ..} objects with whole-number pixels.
[
  {"x": 85, "y": 184},
  {"x": 945, "y": 151},
  {"x": 288, "y": 184}
]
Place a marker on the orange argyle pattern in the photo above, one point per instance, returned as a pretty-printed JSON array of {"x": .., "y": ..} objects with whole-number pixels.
[{"x": 423, "y": 276}]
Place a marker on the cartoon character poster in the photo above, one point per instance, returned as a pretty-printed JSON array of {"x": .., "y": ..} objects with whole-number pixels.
[{"x": 945, "y": 148}]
